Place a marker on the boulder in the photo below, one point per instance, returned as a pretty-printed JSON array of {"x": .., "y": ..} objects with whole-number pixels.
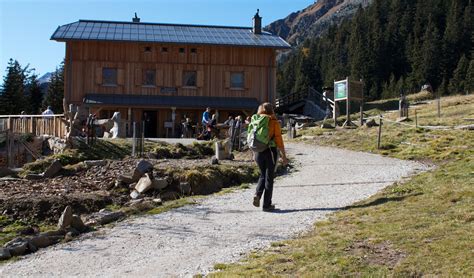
[
  {"x": 185, "y": 188},
  {"x": 53, "y": 169},
  {"x": 41, "y": 241},
  {"x": 66, "y": 218},
  {"x": 31, "y": 247},
  {"x": 52, "y": 234},
  {"x": 17, "y": 246},
  {"x": 144, "y": 184},
  {"x": 5, "y": 253},
  {"x": 77, "y": 224},
  {"x": 142, "y": 168},
  {"x": 159, "y": 184}
]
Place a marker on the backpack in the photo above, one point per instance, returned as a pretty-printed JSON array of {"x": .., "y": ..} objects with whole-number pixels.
[{"x": 257, "y": 133}]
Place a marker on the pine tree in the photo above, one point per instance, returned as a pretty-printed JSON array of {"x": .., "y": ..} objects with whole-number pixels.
[
  {"x": 430, "y": 67},
  {"x": 469, "y": 86},
  {"x": 13, "y": 101},
  {"x": 35, "y": 96},
  {"x": 54, "y": 96},
  {"x": 457, "y": 84}
]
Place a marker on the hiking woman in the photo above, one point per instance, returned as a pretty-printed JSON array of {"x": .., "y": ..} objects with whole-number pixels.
[{"x": 266, "y": 124}]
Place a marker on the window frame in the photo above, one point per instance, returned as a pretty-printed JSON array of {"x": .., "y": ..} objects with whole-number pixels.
[
  {"x": 184, "y": 79},
  {"x": 242, "y": 87},
  {"x": 104, "y": 75},
  {"x": 144, "y": 78}
]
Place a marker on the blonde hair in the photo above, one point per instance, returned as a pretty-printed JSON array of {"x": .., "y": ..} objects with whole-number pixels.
[{"x": 265, "y": 108}]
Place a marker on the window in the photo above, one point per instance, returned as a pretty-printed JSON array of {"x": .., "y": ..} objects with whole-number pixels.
[
  {"x": 109, "y": 76},
  {"x": 149, "y": 78},
  {"x": 147, "y": 49},
  {"x": 194, "y": 50},
  {"x": 164, "y": 49},
  {"x": 237, "y": 80},
  {"x": 181, "y": 50},
  {"x": 190, "y": 78}
]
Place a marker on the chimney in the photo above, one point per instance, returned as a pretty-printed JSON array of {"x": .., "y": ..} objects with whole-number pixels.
[
  {"x": 257, "y": 23},
  {"x": 136, "y": 19}
]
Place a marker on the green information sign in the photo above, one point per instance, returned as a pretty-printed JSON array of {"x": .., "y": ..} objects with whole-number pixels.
[{"x": 340, "y": 90}]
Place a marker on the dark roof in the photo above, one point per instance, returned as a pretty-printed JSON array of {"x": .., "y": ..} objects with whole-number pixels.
[
  {"x": 166, "y": 33},
  {"x": 172, "y": 101}
]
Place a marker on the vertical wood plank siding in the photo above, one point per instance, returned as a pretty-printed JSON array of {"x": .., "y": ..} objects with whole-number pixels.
[{"x": 213, "y": 65}]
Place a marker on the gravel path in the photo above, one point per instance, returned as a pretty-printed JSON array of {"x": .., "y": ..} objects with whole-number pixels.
[{"x": 192, "y": 239}]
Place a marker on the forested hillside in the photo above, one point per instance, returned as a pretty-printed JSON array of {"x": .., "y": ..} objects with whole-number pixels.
[{"x": 394, "y": 46}]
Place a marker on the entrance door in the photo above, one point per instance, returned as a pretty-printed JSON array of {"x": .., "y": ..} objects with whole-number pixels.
[{"x": 151, "y": 122}]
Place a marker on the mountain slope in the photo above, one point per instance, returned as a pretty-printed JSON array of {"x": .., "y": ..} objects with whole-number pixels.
[{"x": 314, "y": 19}]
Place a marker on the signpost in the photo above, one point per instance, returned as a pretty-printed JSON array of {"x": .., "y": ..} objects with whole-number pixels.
[{"x": 347, "y": 90}]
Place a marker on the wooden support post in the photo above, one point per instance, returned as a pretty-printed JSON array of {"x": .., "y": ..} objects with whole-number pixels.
[
  {"x": 361, "y": 113},
  {"x": 134, "y": 140},
  {"x": 416, "y": 120},
  {"x": 439, "y": 107},
  {"x": 379, "y": 136}
]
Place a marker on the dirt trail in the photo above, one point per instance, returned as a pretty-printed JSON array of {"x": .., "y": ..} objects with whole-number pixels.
[{"x": 191, "y": 239}]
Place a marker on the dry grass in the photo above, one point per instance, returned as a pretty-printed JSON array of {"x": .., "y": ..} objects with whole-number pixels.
[{"x": 420, "y": 227}]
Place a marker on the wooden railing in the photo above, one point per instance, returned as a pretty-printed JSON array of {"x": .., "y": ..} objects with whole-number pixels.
[
  {"x": 52, "y": 125},
  {"x": 311, "y": 94}
]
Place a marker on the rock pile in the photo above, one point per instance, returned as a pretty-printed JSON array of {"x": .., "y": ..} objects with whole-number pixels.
[
  {"x": 142, "y": 180},
  {"x": 69, "y": 226}
]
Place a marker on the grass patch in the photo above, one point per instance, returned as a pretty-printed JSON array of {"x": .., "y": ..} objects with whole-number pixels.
[{"x": 422, "y": 227}]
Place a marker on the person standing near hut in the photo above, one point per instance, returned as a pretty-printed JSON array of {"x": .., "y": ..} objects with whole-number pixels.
[{"x": 264, "y": 130}]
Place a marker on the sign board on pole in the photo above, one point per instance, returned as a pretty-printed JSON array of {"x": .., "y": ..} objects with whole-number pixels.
[{"x": 345, "y": 89}]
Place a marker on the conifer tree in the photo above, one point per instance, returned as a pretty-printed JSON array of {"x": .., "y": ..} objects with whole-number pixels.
[
  {"x": 469, "y": 86},
  {"x": 55, "y": 94},
  {"x": 457, "y": 84},
  {"x": 35, "y": 96},
  {"x": 12, "y": 99}
]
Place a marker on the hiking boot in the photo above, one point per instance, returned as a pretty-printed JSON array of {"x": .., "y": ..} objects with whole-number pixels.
[
  {"x": 256, "y": 201},
  {"x": 269, "y": 208}
]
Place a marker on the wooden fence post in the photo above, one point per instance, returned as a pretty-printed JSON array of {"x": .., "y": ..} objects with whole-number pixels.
[
  {"x": 416, "y": 120},
  {"x": 379, "y": 136}
]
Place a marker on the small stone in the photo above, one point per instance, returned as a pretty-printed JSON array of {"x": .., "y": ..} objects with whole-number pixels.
[
  {"x": 66, "y": 218},
  {"x": 77, "y": 224},
  {"x": 53, "y": 169},
  {"x": 5, "y": 253},
  {"x": 134, "y": 194},
  {"x": 214, "y": 160},
  {"x": 132, "y": 185},
  {"x": 125, "y": 179},
  {"x": 169, "y": 195},
  {"x": 142, "y": 168}
]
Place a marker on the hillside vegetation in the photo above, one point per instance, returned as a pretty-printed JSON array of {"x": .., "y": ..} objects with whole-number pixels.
[
  {"x": 415, "y": 228},
  {"x": 394, "y": 46}
]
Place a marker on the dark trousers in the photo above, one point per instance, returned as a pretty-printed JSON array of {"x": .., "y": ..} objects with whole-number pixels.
[{"x": 266, "y": 162}]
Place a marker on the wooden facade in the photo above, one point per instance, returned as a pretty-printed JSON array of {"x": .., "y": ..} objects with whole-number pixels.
[
  {"x": 85, "y": 61},
  {"x": 213, "y": 64}
]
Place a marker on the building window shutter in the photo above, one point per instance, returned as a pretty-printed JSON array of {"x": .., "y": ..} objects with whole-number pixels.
[
  {"x": 98, "y": 75},
  {"x": 120, "y": 77},
  {"x": 247, "y": 80},
  {"x": 138, "y": 77},
  {"x": 227, "y": 79},
  {"x": 159, "y": 78},
  {"x": 200, "y": 79},
  {"x": 179, "y": 78}
]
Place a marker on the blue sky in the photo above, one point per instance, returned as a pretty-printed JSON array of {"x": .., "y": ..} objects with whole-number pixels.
[{"x": 27, "y": 25}]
